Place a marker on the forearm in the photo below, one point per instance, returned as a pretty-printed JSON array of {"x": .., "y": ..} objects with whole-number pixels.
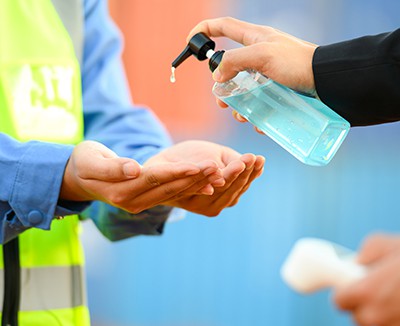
[{"x": 360, "y": 78}]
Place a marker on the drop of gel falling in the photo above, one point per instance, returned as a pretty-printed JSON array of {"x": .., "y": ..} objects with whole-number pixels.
[{"x": 172, "y": 79}]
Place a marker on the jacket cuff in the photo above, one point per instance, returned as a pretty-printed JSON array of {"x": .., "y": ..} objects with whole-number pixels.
[
  {"x": 37, "y": 184},
  {"x": 117, "y": 224}
]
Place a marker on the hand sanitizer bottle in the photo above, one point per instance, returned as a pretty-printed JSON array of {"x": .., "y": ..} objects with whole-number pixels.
[{"x": 301, "y": 124}]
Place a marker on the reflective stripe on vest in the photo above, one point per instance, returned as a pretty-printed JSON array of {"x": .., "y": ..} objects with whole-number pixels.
[
  {"x": 57, "y": 287},
  {"x": 72, "y": 16},
  {"x": 40, "y": 99},
  {"x": 52, "y": 286}
]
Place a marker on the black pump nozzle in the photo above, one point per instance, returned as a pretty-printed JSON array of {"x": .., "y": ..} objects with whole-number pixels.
[{"x": 198, "y": 46}]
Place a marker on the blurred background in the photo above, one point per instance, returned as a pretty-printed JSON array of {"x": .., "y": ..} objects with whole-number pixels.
[{"x": 225, "y": 271}]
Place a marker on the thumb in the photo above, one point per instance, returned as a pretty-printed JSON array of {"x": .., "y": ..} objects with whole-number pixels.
[
  {"x": 114, "y": 169},
  {"x": 93, "y": 160}
]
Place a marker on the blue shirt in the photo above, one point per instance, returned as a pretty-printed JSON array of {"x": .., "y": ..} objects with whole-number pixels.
[{"x": 31, "y": 173}]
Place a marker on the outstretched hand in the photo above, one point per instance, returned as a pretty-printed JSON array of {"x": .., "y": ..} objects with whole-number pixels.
[
  {"x": 94, "y": 172},
  {"x": 238, "y": 171}
]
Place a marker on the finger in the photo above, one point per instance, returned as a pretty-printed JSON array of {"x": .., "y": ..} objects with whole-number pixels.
[
  {"x": 239, "y": 117},
  {"x": 231, "y": 172},
  {"x": 259, "y": 131},
  {"x": 249, "y": 173},
  {"x": 256, "y": 172},
  {"x": 206, "y": 190},
  {"x": 366, "y": 316},
  {"x": 260, "y": 163},
  {"x": 221, "y": 104},
  {"x": 164, "y": 174},
  {"x": 377, "y": 246},
  {"x": 203, "y": 187},
  {"x": 229, "y": 196},
  {"x": 351, "y": 296},
  {"x": 110, "y": 169},
  {"x": 237, "y": 30},
  {"x": 221, "y": 196},
  {"x": 213, "y": 172},
  {"x": 234, "y": 170},
  {"x": 252, "y": 57},
  {"x": 165, "y": 193},
  {"x": 249, "y": 160},
  {"x": 157, "y": 175}
]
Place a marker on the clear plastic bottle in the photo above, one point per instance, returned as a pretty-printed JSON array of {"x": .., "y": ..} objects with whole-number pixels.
[{"x": 302, "y": 125}]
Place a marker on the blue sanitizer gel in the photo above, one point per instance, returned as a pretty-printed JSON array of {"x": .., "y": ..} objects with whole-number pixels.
[{"x": 302, "y": 125}]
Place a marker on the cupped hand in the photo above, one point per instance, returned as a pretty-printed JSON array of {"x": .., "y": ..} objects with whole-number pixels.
[
  {"x": 94, "y": 172},
  {"x": 238, "y": 171}
]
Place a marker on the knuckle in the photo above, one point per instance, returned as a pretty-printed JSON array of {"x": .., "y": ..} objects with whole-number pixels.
[
  {"x": 267, "y": 29},
  {"x": 264, "y": 48},
  {"x": 116, "y": 199},
  {"x": 179, "y": 196},
  {"x": 170, "y": 191},
  {"x": 227, "y": 19},
  {"x": 152, "y": 180},
  {"x": 198, "y": 177}
]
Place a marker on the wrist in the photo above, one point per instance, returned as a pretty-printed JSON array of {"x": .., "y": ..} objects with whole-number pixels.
[{"x": 70, "y": 189}]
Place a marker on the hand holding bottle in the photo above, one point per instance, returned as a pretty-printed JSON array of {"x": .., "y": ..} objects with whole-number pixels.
[
  {"x": 280, "y": 56},
  {"x": 270, "y": 83}
]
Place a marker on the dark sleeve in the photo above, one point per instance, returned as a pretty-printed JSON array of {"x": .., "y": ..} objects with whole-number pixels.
[{"x": 360, "y": 78}]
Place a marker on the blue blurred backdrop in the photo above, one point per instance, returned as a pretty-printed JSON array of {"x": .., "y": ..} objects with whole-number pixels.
[{"x": 225, "y": 271}]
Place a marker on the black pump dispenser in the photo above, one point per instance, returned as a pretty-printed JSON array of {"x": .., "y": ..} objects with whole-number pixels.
[
  {"x": 198, "y": 46},
  {"x": 215, "y": 60}
]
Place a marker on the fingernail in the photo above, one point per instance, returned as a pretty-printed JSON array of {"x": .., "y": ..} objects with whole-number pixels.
[
  {"x": 261, "y": 163},
  {"x": 208, "y": 190},
  {"x": 217, "y": 75},
  {"x": 130, "y": 170},
  {"x": 217, "y": 181},
  {"x": 208, "y": 170},
  {"x": 249, "y": 163},
  {"x": 192, "y": 172}
]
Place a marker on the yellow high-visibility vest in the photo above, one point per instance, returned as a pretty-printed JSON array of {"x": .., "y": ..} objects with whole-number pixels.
[{"x": 40, "y": 99}]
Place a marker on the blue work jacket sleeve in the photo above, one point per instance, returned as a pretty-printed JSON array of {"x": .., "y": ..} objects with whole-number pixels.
[
  {"x": 30, "y": 179},
  {"x": 111, "y": 119}
]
